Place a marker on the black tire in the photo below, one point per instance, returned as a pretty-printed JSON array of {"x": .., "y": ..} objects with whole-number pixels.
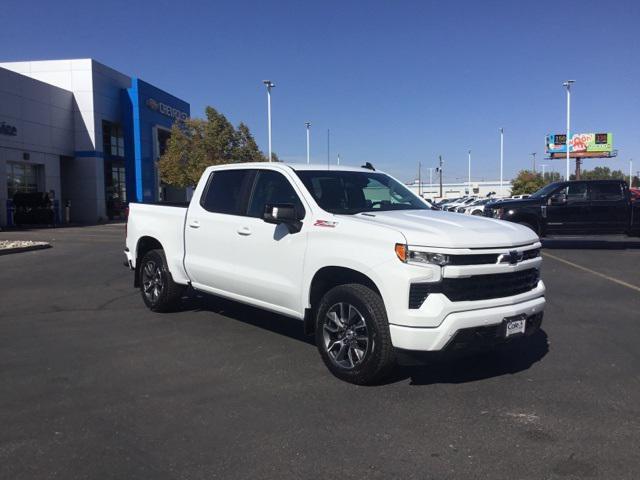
[
  {"x": 159, "y": 292},
  {"x": 377, "y": 359}
]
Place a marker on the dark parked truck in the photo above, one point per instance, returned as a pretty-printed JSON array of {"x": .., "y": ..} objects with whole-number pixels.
[{"x": 576, "y": 207}]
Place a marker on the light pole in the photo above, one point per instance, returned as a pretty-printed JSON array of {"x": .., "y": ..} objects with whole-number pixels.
[
  {"x": 338, "y": 159},
  {"x": 568, "y": 84},
  {"x": 534, "y": 161},
  {"x": 630, "y": 172},
  {"x": 469, "y": 171},
  {"x": 543, "y": 167},
  {"x": 501, "y": 156},
  {"x": 308, "y": 125},
  {"x": 269, "y": 84}
]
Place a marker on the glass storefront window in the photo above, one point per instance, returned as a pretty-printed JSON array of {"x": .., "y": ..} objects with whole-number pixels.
[
  {"x": 23, "y": 178},
  {"x": 112, "y": 139}
]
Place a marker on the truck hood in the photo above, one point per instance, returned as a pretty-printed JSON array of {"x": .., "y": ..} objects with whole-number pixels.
[{"x": 432, "y": 228}]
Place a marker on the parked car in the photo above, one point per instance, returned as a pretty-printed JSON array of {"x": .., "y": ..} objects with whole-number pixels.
[
  {"x": 364, "y": 264},
  {"x": 635, "y": 194},
  {"x": 575, "y": 207},
  {"x": 452, "y": 207},
  {"x": 477, "y": 208}
]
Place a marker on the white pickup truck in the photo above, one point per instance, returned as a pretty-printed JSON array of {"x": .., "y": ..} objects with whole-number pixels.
[{"x": 365, "y": 264}]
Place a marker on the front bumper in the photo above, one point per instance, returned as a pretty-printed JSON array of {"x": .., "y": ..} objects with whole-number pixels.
[{"x": 437, "y": 338}]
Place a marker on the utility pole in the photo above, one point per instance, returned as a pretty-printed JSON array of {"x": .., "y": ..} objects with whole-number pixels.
[
  {"x": 534, "y": 161},
  {"x": 568, "y": 85},
  {"x": 269, "y": 84},
  {"x": 440, "y": 170},
  {"x": 308, "y": 125},
  {"x": 419, "y": 179}
]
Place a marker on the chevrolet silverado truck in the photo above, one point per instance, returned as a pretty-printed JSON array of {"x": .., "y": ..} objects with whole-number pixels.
[
  {"x": 575, "y": 207},
  {"x": 365, "y": 264}
]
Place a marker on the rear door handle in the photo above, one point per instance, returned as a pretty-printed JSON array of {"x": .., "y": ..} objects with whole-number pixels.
[
  {"x": 194, "y": 224},
  {"x": 244, "y": 231}
]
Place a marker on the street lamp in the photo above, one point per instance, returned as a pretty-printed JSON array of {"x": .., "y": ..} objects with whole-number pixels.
[
  {"x": 501, "y": 156},
  {"x": 469, "y": 172},
  {"x": 269, "y": 84},
  {"x": 308, "y": 125},
  {"x": 534, "y": 161},
  {"x": 568, "y": 84}
]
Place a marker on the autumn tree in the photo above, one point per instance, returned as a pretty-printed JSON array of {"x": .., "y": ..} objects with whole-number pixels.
[{"x": 196, "y": 144}]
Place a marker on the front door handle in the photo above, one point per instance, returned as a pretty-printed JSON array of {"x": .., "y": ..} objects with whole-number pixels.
[
  {"x": 245, "y": 231},
  {"x": 194, "y": 224}
]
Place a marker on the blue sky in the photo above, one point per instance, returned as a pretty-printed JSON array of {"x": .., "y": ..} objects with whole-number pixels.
[{"x": 397, "y": 82}]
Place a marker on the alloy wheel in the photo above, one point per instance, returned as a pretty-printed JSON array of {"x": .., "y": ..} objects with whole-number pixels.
[
  {"x": 346, "y": 336},
  {"x": 152, "y": 283}
]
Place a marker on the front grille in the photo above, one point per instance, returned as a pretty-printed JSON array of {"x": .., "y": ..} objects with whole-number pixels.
[
  {"x": 488, "y": 212},
  {"x": 488, "y": 258},
  {"x": 478, "y": 287}
]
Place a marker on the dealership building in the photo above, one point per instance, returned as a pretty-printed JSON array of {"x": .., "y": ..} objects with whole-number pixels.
[{"x": 85, "y": 134}]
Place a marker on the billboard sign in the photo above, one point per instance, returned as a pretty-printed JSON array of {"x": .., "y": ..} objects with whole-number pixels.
[{"x": 589, "y": 144}]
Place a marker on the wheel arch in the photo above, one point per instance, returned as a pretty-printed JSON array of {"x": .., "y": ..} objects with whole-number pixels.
[
  {"x": 145, "y": 244},
  {"x": 325, "y": 279}
]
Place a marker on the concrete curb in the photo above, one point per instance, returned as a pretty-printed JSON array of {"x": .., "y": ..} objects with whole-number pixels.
[{"x": 8, "y": 251}]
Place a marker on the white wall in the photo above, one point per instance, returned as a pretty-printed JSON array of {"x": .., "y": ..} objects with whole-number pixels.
[
  {"x": 95, "y": 90},
  {"x": 43, "y": 117}
]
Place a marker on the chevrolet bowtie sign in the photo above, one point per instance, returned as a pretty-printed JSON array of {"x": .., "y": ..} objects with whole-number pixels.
[{"x": 165, "y": 109}]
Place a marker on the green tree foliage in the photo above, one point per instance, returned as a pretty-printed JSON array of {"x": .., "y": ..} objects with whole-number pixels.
[
  {"x": 196, "y": 144},
  {"x": 602, "y": 173},
  {"x": 527, "y": 182}
]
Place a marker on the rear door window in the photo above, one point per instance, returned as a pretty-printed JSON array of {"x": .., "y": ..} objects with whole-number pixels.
[
  {"x": 608, "y": 192},
  {"x": 228, "y": 191}
]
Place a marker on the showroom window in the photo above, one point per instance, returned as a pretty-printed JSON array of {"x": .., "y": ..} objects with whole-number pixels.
[
  {"x": 23, "y": 178},
  {"x": 112, "y": 139}
]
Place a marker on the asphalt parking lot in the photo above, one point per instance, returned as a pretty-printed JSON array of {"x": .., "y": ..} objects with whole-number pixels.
[{"x": 93, "y": 385}]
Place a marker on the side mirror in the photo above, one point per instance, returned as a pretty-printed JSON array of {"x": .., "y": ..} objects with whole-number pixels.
[
  {"x": 558, "y": 199},
  {"x": 277, "y": 213}
]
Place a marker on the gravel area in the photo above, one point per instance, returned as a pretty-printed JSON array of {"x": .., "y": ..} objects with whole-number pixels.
[{"x": 20, "y": 244}]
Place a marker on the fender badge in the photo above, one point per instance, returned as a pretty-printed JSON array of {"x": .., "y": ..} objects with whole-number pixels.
[{"x": 325, "y": 223}]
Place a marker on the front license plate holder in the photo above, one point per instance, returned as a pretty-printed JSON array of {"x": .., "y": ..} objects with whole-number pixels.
[{"x": 514, "y": 326}]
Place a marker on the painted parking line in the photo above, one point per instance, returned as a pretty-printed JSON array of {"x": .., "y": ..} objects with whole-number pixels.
[{"x": 602, "y": 275}]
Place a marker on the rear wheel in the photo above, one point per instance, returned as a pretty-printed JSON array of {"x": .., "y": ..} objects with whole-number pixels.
[
  {"x": 159, "y": 292},
  {"x": 352, "y": 334}
]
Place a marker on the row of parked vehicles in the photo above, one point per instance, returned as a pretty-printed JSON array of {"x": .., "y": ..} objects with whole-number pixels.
[{"x": 470, "y": 205}]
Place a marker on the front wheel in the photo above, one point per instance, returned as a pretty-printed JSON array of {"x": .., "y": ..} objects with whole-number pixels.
[
  {"x": 159, "y": 292},
  {"x": 352, "y": 334}
]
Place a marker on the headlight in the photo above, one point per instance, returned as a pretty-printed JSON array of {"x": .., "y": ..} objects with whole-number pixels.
[
  {"x": 406, "y": 255},
  {"x": 498, "y": 212}
]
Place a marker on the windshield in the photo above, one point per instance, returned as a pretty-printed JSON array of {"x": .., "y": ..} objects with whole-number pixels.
[
  {"x": 547, "y": 189},
  {"x": 349, "y": 193}
]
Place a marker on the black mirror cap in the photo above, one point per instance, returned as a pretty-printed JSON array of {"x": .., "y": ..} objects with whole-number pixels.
[{"x": 277, "y": 213}]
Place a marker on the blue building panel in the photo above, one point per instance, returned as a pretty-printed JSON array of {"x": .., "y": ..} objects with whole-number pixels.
[{"x": 146, "y": 107}]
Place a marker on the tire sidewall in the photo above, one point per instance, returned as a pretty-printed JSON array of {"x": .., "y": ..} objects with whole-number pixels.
[{"x": 373, "y": 362}]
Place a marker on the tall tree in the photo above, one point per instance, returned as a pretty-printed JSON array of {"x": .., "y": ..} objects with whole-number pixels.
[
  {"x": 246, "y": 147},
  {"x": 196, "y": 144},
  {"x": 526, "y": 182}
]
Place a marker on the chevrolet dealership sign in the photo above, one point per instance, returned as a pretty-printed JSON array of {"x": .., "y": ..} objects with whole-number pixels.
[{"x": 165, "y": 109}]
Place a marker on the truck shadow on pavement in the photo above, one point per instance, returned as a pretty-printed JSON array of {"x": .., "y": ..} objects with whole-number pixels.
[
  {"x": 511, "y": 358},
  {"x": 507, "y": 359},
  {"x": 590, "y": 244}
]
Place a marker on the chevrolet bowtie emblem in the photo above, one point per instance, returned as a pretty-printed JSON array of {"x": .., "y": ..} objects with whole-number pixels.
[{"x": 513, "y": 257}]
